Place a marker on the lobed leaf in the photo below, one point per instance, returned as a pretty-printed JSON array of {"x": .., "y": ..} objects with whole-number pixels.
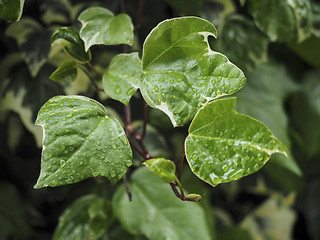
[
  {"x": 73, "y": 44},
  {"x": 163, "y": 168},
  {"x": 80, "y": 141},
  {"x": 11, "y": 10},
  {"x": 224, "y": 145},
  {"x": 122, "y": 78},
  {"x": 100, "y": 26},
  {"x": 156, "y": 212},
  {"x": 66, "y": 72},
  {"x": 180, "y": 71}
]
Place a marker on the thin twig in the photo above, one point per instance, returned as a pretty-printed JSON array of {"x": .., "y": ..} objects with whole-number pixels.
[
  {"x": 145, "y": 119},
  {"x": 93, "y": 82},
  {"x": 126, "y": 186},
  {"x": 140, "y": 14},
  {"x": 94, "y": 70},
  {"x": 181, "y": 163}
]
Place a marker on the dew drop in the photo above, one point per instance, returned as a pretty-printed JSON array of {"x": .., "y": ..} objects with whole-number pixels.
[
  {"x": 230, "y": 142},
  {"x": 114, "y": 147},
  {"x": 53, "y": 134},
  {"x": 69, "y": 115},
  {"x": 256, "y": 167},
  {"x": 194, "y": 157},
  {"x": 171, "y": 88},
  {"x": 62, "y": 163},
  {"x": 163, "y": 95},
  {"x": 112, "y": 173},
  {"x": 179, "y": 80},
  {"x": 225, "y": 168},
  {"x": 118, "y": 91},
  {"x": 156, "y": 89},
  {"x": 159, "y": 100},
  {"x": 128, "y": 163},
  {"x": 260, "y": 157},
  {"x": 171, "y": 81}
]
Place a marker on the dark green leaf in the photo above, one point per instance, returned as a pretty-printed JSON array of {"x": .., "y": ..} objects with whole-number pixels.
[
  {"x": 87, "y": 218},
  {"x": 224, "y": 145},
  {"x": 163, "y": 168},
  {"x": 243, "y": 43},
  {"x": 73, "y": 44},
  {"x": 80, "y": 141},
  {"x": 122, "y": 78},
  {"x": 33, "y": 41},
  {"x": 185, "y": 7},
  {"x": 181, "y": 72},
  {"x": 100, "y": 26},
  {"x": 156, "y": 212},
  {"x": 11, "y": 10},
  {"x": 316, "y": 18},
  {"x": 66, "y": 72}
]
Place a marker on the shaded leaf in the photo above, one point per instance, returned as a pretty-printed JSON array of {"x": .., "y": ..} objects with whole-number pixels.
[
  {"x": 163, "y": 168},
  {"x": 11, "y": 10},
  {"x": 122, "y": 78},
  {"x": 185, "y": 7},
  {"x": 73, "y": 44},
  {"x": 243, "y": 43},
  {"x": 100, "y": 26},
  {"x": 66, "y": 72},
  {"x": 33, "y": 41},
  {"x": 87, "y": 218},
  {"x": 156, "y": 212},
  {"x": 80, "y": 141},
  {"x": 223, "y": 145},
  {"x": 316, "y": 19},
  {"x": 181, "y": 72}
]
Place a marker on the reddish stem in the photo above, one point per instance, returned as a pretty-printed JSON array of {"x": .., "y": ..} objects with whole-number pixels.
[{"x": 181, "y": 163}]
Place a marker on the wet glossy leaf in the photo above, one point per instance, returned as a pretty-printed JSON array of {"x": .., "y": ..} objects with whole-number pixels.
[
  {"x": 181, "y": 72},
  {"x": 282, "y": 20},
  {"x": 243, "y": 42},
  {"x": 11, "y": 10},
  {"x": 80, "y": 141},
  {"x": 156, "y": 212},
  {"x": 66, "y": 72},
  {"x": 163, "y": 168},
  {"x": 34, "y": 42},
  {"x": 224, "y": 145},
  {"x": 122, "y": 78},
  {"x": 87, "y": 218},
  {"x": 73, "y": 44},
  {"x": 100, "y": 26}
]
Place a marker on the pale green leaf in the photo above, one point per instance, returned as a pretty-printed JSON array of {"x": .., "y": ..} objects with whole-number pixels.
[
  {"x": 87, "y": 218},
  {"x": 243, "y": 43},
  {"x": 73, "y": 44},
  {"x": 156, "y": 212},
  {"x": 224, "y": 145},
  {"x": 163, "y": 168},
  {"x": 80, "y": 141},
  {"x": 181, "y": 72},
  {"x": 275, "y": 18},
  {"x": 34, "y": 42},
  {"x": 11, "y": 10},
  {"x": 66, "y": 72},
  {"x": 100, "y": 26},
  {"x": 122, "y": 78}
]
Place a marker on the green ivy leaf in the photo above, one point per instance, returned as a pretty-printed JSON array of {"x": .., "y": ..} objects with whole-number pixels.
[
  {"x": 34, "y": 42},
  {"x": 223, "y": 145},
  {"x": 156, "y": 212},
  {"x": 163, "y": 168},
  {"x": 100, "y": 26},
  {"x": 122, "y": 78},
  {"x": 80, "y": 141},
  {"x": 87, "y": 218},
  {"x": 11, "y": 10},
  {"x": 66, "y": 72},
  {"x": 243, "y": 42},
  {"x": 181, "y": 72},
  {"x": 282, "y": 20},
  {"x": 73, "y": 44}
]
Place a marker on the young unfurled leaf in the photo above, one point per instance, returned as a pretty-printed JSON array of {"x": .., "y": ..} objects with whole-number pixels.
[
  {"x": 122, "y": 78},
  {"x": 163, "y": 168},
  {"x": 100, "y": 26},
  {"x": 87, "y": 218},
  {"x": 224, "y": 145},
  {"x": 73, "y": 44},
  {"x": 11, "y": 10},
  {"x": 180, "y": 71},
  {"x": 80, "y": 141},
  {"x": 156, "y": 212},
  {"x": 66, "y": 72}
]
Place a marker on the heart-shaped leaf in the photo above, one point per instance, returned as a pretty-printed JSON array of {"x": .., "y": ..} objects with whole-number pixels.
[
  {"x": 66, "y": 72},
  {"x": 80, "y": 141},
  {"x": 224, "y": 145},
  {"x": 122, "y": 78},
  {"x": 180, "y": 71},
  {"x": 73, "y": 44},
  {"x": 163, "y": 168},
  {"x": 100, "y": 26}
]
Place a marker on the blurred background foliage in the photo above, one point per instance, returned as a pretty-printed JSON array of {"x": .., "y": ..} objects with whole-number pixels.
[{"x": 277, "y": 45}]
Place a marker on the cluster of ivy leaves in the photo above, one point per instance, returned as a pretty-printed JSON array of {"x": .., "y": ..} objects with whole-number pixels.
[{"x": 273, "y": 42}]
